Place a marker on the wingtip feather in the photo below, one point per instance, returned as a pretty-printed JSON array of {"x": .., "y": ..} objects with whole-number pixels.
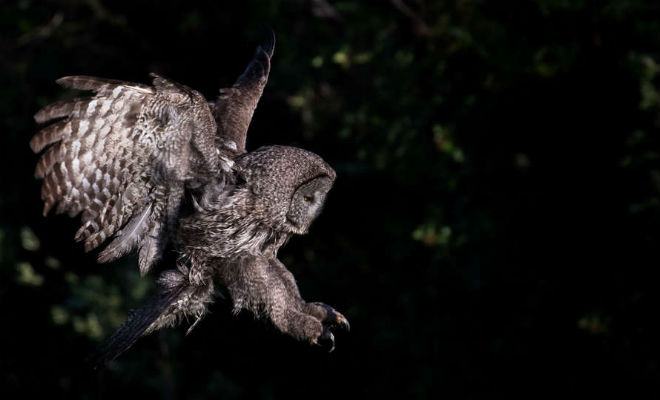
[
  {"x": 268, "y": 46},
  {"x": 84, "y": 82},
  {"x": 36, "y": 144},
  {"x": 42, "y": 115},
  {"x": 67, "y": 81}
]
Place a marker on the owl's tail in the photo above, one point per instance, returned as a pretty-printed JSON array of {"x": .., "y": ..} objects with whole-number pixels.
[{"x": 135, "y": 326}]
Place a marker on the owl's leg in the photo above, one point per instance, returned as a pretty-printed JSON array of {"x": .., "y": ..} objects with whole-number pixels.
[
  {"x": 255, "y": 284},
  {"x": 329, "y": 317},
  {"x": 326, "y": 314}
]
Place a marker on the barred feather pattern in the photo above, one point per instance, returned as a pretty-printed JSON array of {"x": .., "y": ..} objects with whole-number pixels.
[{"x": 122, "y": 158}]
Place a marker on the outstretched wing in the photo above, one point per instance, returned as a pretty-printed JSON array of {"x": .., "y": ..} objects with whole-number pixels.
[
  {"x": 234, "y": 108},
  {"x": 122, "y": 159}
]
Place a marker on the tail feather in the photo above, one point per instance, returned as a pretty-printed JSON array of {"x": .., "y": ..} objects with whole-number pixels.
[{"x": 135, "y": 326}]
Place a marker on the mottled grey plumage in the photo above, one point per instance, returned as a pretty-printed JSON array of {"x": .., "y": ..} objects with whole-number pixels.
[
  {"x": 126, "y": 158},
  {"x": 123, "y": 158}
]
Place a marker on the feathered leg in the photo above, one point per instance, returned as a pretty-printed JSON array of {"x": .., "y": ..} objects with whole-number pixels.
[
  {"x": 265, "y": 286},
  {"x": 329, "y": 317}
]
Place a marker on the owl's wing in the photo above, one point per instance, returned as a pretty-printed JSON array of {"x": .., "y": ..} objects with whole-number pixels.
[
  {"x": 234, "y": 107},
  {"x": 122, "y": 158}
]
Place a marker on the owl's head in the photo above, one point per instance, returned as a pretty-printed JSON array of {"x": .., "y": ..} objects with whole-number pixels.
[{"x": 289, "y": 185}]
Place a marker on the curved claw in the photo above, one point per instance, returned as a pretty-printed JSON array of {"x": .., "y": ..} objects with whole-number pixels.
[
  {"x": 327, "y": 339},
  {"x": 334, "y": 318},
  {"x": 342, "y": 322}
]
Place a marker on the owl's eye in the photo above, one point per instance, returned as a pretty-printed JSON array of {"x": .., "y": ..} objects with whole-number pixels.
[{"x": 308, "y": 199}]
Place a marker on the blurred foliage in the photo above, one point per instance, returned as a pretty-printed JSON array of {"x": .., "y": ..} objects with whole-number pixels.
[{"x": 494, "y": 226}]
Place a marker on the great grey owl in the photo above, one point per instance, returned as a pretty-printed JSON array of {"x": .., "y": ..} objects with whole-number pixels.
[{"x": 156, "y": 167}]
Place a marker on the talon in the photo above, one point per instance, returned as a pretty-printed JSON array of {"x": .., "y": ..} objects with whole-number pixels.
[
  {"x": 331, "y": 319},
  {"x": 342, "y": 322},
  {"x": 334, "y": 318},
  {"x": 327, "y": 339}
]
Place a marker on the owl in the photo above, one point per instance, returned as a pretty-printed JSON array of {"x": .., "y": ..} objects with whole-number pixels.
[{"x": 156, "y": 167}]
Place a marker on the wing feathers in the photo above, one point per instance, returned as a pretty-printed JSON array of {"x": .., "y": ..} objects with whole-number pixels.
[
  {"x": 151, "y": 248},
  {"x": 258, "y": 69},
  {"x": 163, "y": 83},
  {"x": 128, "y": 237},
  {"x": 58, "y": 109},
  {"x": 235, "y": 106},
  {"x": 116, "y": 156},
  {"x": 45, "y": 165},
  {"x": 51, "y": 134},
  {"x": 99, "y": 85}
]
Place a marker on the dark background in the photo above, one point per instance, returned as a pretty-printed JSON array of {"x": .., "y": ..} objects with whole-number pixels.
[{"x": 494, "y": 228}]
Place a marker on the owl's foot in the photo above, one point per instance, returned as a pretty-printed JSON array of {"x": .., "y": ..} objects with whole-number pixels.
[{"x": 330, "y": 319}]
